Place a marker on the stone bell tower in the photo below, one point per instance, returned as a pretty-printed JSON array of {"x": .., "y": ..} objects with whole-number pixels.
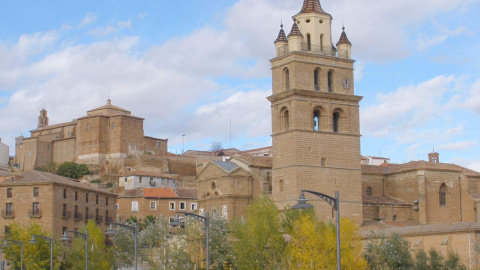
[
  {"x": 315, "y": 116},
  {"x": 42, "y": 119}
]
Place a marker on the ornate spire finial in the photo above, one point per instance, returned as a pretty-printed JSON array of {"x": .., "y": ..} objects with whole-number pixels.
[{"x": 343, "y": 28}]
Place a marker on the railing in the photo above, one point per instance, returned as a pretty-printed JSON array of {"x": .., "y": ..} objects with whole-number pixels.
[
  {"x": 77, "y": 216},
  {"x": 304, "y": 47},
  {"x": 108, "y": 220},
  {"x": 88, "y": 217},
  {"x": 35, "y": 213},
  {"x": 8, "y": 213},
  {"x": 66, "y": 214},
  {"x": 98, "y": 219}
]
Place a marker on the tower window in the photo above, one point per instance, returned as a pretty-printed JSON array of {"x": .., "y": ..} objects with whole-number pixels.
[
  {"x": 286, "y": 74},
  {"x": 113, "y": 125},
  {"x": 330, "y": 81},
  {"x": 336, "y": 120},
  {"x": 321, "y": 40},
  {"x": 88, "y": 126},
  {"x": 309, "y": 42},
  {"x": 284, "y": 119},
  {"x": 442, "y": 194},
  {"x": 316, "y": 120},
  {"x": 316, "y": 79},
  {"x": 368, "y": 191}
]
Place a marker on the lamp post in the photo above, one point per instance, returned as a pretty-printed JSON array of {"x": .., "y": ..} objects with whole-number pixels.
[
  {"x": 334, "y": 202},
  {"x": 65, "y": 237},
  {"x": 205, "y": 220},
  {"x": 112, "y": 231},
  {"x": 34, "y": 241},
  {"x": 6, "y": 245}
]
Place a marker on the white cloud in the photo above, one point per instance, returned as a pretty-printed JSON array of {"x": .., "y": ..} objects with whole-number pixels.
[
  {"x": 109, "y": 29},
  {"x": 461, "y": 145},
  {"x": 88, "y": 19},
  {"x": 425, "y": 42}
]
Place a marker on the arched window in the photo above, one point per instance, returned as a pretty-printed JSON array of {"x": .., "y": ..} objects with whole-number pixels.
[
  {"x": 368, "y": 191},
  {"x": 330, "y": 81},
  {"x": 316, "y": 79},
  {"x": 336, "y": 121},
  {"x": 309, "y": 42},
  {"x": 286, "y": 120},
  {"x": 442, "y": 195},
  {"x": 321, "y": 42},
  {"x": 316, "y": 120},
  {"x": 286, "y": 75}
]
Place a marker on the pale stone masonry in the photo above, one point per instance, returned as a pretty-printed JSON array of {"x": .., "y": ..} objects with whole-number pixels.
[
  {"x": 106, "y": 132},
  {"x": 54, "y": 202}
]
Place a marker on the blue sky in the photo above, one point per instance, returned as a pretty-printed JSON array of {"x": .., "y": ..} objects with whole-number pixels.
[{"x": 189, "y": 67}]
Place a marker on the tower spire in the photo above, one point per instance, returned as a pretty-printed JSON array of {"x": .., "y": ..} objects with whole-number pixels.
[
  {"x": 281, "y": 35},
  {"x": 295, "y": 31},
  {"x": 312, "y": 6},
  {"x": 343, "y": 38}
]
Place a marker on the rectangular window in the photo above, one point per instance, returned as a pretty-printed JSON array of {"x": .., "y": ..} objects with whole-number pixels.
[
  {"x": 35, "y": 192},
  {"x": 96, "y": 199},
  {"x": 64, "y": 193},
  {"x": 106, "y": 201},
  {"x": 86, "y": 212},
  {"x": 153, "y": 205},
  {"x": 64, "y": 212},
  {"x": 9, "y": 209},
  {"x": 86, "y": 197},
  {"x": 125, "y": 179},
  {"x": 170, "y": 220},
  {"x": 324, "y": 161},
  {"x": 193, "y": 206},
  {"x": 88, "y": 127},
  {"x": 76, "y": 195},
  {"x": 140, "y": 180},
  {"x": 134, "y": 206},
  {"x": 171, "y": 206},
  {"x": 117, "y": 206},
  {"x": 113, "y": 125},
  {"x": 36, "y": 209},
  {"x": 151, "y": 182},
  {"x": 64, "y": 230},
  {"x": 183, "y": 206},
  {"x": 9, "y": 193},
  {"x": 159, "y": 145},
  {"x": 48, "y": 146}
]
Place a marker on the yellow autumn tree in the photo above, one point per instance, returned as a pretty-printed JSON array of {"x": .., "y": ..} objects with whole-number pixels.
[
  {"x": 35, "y": 256},
  {"x": 313, "y": 245}
]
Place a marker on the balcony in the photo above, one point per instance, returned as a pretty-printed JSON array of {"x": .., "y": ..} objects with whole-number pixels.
[
  {"x": 35, "y": 213},
  {"x": 88, "y": 217},
  {"x": 108, "y": 220},
  {"x": 304, "y": 47},
  {"x": 98, "y": 219},
  {"x": 77, "y": 216},
  {"x": 66, "y": 215},
  {"x": 7, "y": 214}
]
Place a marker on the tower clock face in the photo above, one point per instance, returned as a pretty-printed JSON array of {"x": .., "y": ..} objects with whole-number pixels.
[{"x": 346, "y": 83}]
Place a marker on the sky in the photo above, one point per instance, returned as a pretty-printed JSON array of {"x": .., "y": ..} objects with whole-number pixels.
[{"x": 201, "y": 69}]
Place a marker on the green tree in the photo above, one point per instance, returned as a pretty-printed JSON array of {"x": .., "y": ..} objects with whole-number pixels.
[
  {"x": 72, "y": 170},
  {"x": 221, "y": 249},
  {"x": 50, "y": 167},
  {"x": 421, "y": 260},
  {"x": 435, "y": 261},
  {"x": 36, "y": 256},
  {"x": 259, "y": 241},
  {"x": 384, "y": 253},
  {"x": 99, "y": 255}
]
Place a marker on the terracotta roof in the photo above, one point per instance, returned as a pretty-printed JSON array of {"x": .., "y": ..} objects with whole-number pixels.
[
  {"x": 344, "y": 40},
  {"x": 159, "y": 193},
  {"x": 37, "y": 177},
  {"x": 443, "y": 228},
  {"x": 295, "y": 31},
  {"x": 281, "y": 35},
  {"x": 384, "y": 200},
  {"x": 256, "y": 161},
  {"x": 55, "y": 126},
  {"x": 109, "y": 106},
  {"x": 187, "y": 193},
  {"x": 312, "y": 6},
  {"x": 150, "y": 174},
  {"x": 416, "y": 165}
]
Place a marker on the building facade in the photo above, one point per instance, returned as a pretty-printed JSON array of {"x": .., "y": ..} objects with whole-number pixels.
[
  {"x": 143, "y": 179},
  {"x": 107, "y": 132},
  {"x": 4, "y": 155},
  {"x": 143, "y": 202},
  {"x": 54, "y": 202},
  {"x": 315, "y": 115}
]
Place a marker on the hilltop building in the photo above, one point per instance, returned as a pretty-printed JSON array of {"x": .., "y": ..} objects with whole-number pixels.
[
  {"x": 106, "y": 132},
  {"x": 4, "y": 156}
]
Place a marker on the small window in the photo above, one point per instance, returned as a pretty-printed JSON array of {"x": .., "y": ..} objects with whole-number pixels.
[
  {"x": 135, "y": 206},
  {"x": 9, "y": 193},
  {"x": 113, "y": 125},
  {"x": 309, "y": 40},
  {"x": 171, "y": 206},
  {"x": 316, "y": 79},
  {"x": 86, "y": 212},
  {"x": 336, "y": 119},
  {"x": 321, "y": 39},
  {"x": 76, "y": 195},
  {"x": 316, "y": 120},
  {"x": 280, "y": 185},
  {"x": 193, "y": 206},
  {"x": 106, "y": 201},
  {"x": 36, "y": 208},
  {"x": 183, "y": 206},
  {"x": 48, "y": 146},
  {"x": 153, "y": 205},
  {"x": 35, "y": 192},
  {"x": 117, "y": 206},
  {"x": 324, "y": 162},
  {"x": 64, "y": 230},
  {"x": 151, "y": 182},
  {"x": 442, "y": 194},
  {"x": 394, "y": 218},
  {"x": 286, "y": 75},
  {"x": 368, "y": 191},
  {"x": 214, "y": 186},
  {"x": 159, "y": 145},
  {"x": 64, "y": 193},
  {"x": 330, "y": 81},
  {"x": 125, "y": 179},
  {"x": 96, "y": 199},
  {"x": 140, "y": 179},
  {"x": 170, "y": 220},
  {"x": 88, "y": 127},
  {"x": 68, "y": 134},
  {"x": 64, "y": 210},
  {"x": 86, "y": 197}
]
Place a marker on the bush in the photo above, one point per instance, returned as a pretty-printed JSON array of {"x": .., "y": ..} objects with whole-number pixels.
[
  {"x": 73, "y": 170},
  {"x": 96, "y": 181},
  {"x": 109, "y": 184}
]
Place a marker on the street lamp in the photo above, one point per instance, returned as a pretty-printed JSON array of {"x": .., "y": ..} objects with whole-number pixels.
[
  {"x": 112, "y": 231},
  {"x": 6, "y": 245},
  {"x": 65, "y": 237},
  {"x": 34, "y": 241},
  {"x": 203, "y": 219},
  {"x": 334, "y": 202}
]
